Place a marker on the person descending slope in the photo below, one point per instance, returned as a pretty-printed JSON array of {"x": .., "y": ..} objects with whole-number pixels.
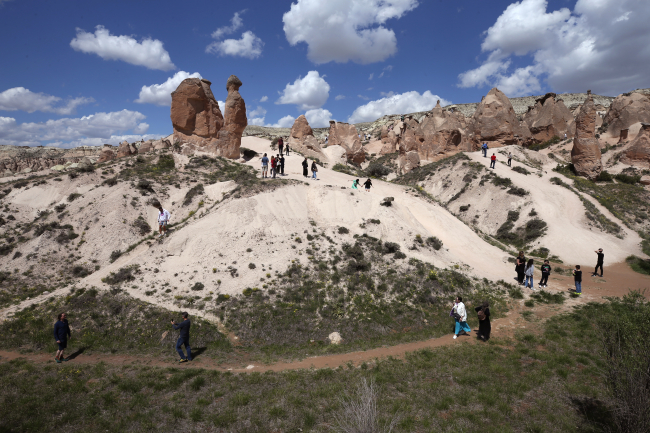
[
  {"x": 163, "y": 220},
  {"x": 367, "y": 184},
  {"x": 493, "y": 161},
  {"x": 355, "y": 184}
]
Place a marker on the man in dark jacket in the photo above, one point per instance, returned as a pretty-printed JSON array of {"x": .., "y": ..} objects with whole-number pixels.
[
  {"x": 184, "y": 338},
  {"x": 599, "y": 263},
  {"x": 61, "y": 335}
]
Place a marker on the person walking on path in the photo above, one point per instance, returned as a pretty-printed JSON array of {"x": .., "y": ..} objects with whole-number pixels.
[
  {"x": 484, "y": 148},
  {"x": 368, "y": 184},
  {"x": 281, "y": 164},
  {"x": 546, "y": 271},
  {"x": 163, "y": 220},
  {"x": 274, "y": 166},
  {"x": 530, "y": 270},
  {"x": 509, "y": 159},
  {"x": 520, "y": 267},
  {"x": 577, "y": 279},
  {"x": 314, "y": 170},
  {"x": 493, "y": 161},
  {"x": 265, "y": 166},
  {"x": 305, "y": 168},
  {"x": 461, "y": 318},
  {"x": 286, "y": 149},
  {"x": 599, "y": 263},
  {"x": 61, "y": 336},
  {"x": 484, "y": 326},
  {"x": 184, "y": 338},
  {"x": 280, "y": 145},
  {"x": 355, "y": 184}
]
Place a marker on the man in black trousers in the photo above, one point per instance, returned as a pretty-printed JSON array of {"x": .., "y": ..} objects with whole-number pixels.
[
  {"x": 184, "y": 338},
  {"x": 599, "y": 263}
]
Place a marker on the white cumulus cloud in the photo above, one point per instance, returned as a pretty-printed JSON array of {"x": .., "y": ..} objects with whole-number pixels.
[
  {"x": 264, "y": 98},
  {"x": 308, "y": 93},
  {"x": 600, "y": 45},
  {"x": 235, "y": 23},
  {"x": 161, "y": 94},
  {"x": 339, "y": 97},
  {"x": 345, "y": 30},
  {"x": 285, "y": 122},
  {"x": 408, "y": 102},
  {"x": 318, "y": 118},
  {"x": 249, "y": 46},
  {"x": 19, "y": 98},
  {"x": 149, "y": 53}
]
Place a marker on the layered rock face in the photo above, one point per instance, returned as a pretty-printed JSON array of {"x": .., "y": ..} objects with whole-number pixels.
[
  {"x": 495, "y": 121},
  {"x": 15, "y": 159},
  {"x": 126, "y": 149},
  {"x": 549, "y": 118},
  {"x": 301, "y": 139},
  {"x": 107, "y": 154},
  {"x": 198, "y": 122},
  {"x": 347, "y": 136},
  {"x": 639, "y": 150},
  {"x": 585, "y": 154},
  {"x": 626, "y": 110},
  {"x": 442, "y": 133}
]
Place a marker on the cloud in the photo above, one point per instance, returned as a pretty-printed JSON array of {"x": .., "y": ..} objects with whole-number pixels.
[
  {"x": 235, "y": 23},
  {"x": 370, "y": 77},
  {"x": 285, "y": 122},
  {"x": 149, "y": 53},
  {"x": 345, "y": 30},
  {"x": 365, "y": 98},
  {"x": 339, "y": 97},
  {"x": 387, "y": 94},
  {"x": 19, "y": 98},
  {"x": 408, "y": 102},
  {"x": 256, "y": 116},
  {"x": 161, "y": 94},
  {"x": 95, "y": 128},
  {"x": 318, "y": 118},
  {"x": 249, "y": 46},
  {"x": 264, "y": 98},
  {"x": 601, "y": 45},
  {"x": 308, "y": 93}
]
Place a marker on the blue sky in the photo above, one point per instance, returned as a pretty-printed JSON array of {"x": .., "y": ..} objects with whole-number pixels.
[{"x": 90, "y": 72}]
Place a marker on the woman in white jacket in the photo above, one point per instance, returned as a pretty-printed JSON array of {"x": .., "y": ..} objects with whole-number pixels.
[
  {"x": 528, "y": 272},
  {"x": 461, "y": 323}
]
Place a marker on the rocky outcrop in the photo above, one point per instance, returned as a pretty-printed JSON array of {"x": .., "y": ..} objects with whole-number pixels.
[
  {"x": 549, "y": 118},
  {"x": 301, "y": 139},
  {"x": 107, "y": 154},
  {"x": 347, "y": 136},
  {"x": 442, "y": 133},
  {"x": 585, "y": 154},
  {"x": 639, "y": 150},
  {"x": 198, "y": 122},
  {"x": 495, "y": 122},
  {"x": 17, "y": 159},
  {"x": 153, "y": 145},
  {"x": 626, "y": 110},
  {"x": 126, "y": 149}
]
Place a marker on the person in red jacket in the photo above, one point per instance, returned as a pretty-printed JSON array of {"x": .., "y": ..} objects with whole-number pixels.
[
  {"x": 493, "y": 161},
  {"x": 274, "y": 166}
]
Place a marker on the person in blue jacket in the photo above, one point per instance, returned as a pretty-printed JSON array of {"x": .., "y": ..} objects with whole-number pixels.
[{"x": 61, "y": 335}]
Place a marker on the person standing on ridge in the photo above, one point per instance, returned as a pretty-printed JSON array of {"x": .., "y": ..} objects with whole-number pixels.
[
  {"x": 61, "y": 336},
  {"x": 368, "y": 184},
  {"x": 314, "y": 170},
  {"x": 280, "y": 145},
  {"x": 599, "y": 263},
  {"x": 265, "y": 166},
  {"x": 305, "y": 167},
  {"x": 163, "y": 220},
  {"x": 493, "y": 161},
  {"x": 184, "y": 338}
]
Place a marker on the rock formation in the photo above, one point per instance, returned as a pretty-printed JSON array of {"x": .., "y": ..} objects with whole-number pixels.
[
  {"x": 23, "y": 159},
  {"x": 626, "y": 110},
  {"x": 549, "y": 118},
  {"x": 107, "y": 154},
  {"x": 585, "y": 154},
  {"x": 301, "y": 139},
  {"x": 495, "y": 121},
  {"x": 347, "y": 136},
  {"x": 198, "y": 122},
  {"x": 639, "y": 150},
  {"x": 442, "y": 133},
  {"x": 152, "y": 145},
  {"x": 126, "y": 149}
]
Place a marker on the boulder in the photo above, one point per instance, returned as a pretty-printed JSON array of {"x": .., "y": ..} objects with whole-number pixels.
[
  {"x": 626, "y": 110},
  {"x": 549, "y": 118},
  {"x": 585, "y": 154},
  {"x": 126, "y": 149},
  {"x": 146, "y": 147},
  {"x": 161, "y": 144},
  {"x": 645, "y": 180},
  {"x": 495, "y": 121},
  {"x": 347, "y": 136},
  {"x": 639, "y": 150},
  {"x": 107, "y": 154},
  {"x": 407, "y": 161},
  {"x": 301, "y": 139},
  {"x": 442, "y": 133},
  {"x": 335, "y": 338}
]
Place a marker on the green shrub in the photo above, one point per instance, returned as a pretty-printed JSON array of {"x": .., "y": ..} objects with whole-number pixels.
[
  {"x": 631, "y": 180},
  {"x": 521, "y": 170},
  {"x": 73, "y": 196},
  {"x": 434, "y": 242},
  {"x": 142, "y": 225},
  {"x": 639, "y": 265},
  {"x": 122, "y": 275},
  {"x": 603, "y": 176},
  {"x": 464, "y": 208},
  {"x": 193, "y": 192},
  {"x": 377, "y": 170},
  {"x": 115, "y": 255},
  {"x": 251, "y": 266},
  {"x": 343, "y": 230},
  {"x": 197, "y": 286}
]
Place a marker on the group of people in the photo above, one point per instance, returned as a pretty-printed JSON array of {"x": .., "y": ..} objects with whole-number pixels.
[
  {"x": 283, "y": 147},
  {"x": 493, "y": 158},
  {"x": 276, "y": 163},
  {"x": 459, "y": 313},
  {"x": 305, "y": 169},
  {"x": 367, "y": 184},
  {"x": 526, "y": 269}
]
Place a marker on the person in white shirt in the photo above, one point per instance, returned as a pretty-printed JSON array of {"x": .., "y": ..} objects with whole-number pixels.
[
  {"x": 163, "y": 220},
  {"x": 461, "y": 323}
]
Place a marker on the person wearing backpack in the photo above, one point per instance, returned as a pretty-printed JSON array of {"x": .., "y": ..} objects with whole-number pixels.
[
  {"x": 484, "y": 326},
  {"x": 530, "y": 270},
  {"x": 460, "y": 316}
]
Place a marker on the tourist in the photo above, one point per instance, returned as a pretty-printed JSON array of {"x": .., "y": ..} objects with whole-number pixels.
[
  {"x": 314, "y": 170},
  {"x": 273, "y": 166},
  {"x": 163, "y": 220},
  {"x": 519, "y": 267},
  {"x": 484, "y": 148},
  {"x": 484, "y": 326},
  {"x": 280, "y": 144},
  {"x": 286, "y": 149},
  {"x": 281, "y": 158},
  {"x": 577, "y": 279},
  {"x": 355, "y": 184},
  {"x": 305, "y": 166},
  {"x": 529, "y": 271},
  {"x": 265, "y": 166},
  {"x": 599, "y": 263},
  {"x": 493, "y": 161},
  {"x": 509, "y": 159},
  {"x": 61, "y": 336},
  {"x": 326, "y": 139},
  {"x": 546, "y": 271},
  {"x": 184, "y": 338},
  {"x": 368, "y": 184},
  {"x": 461, "y": 318}
]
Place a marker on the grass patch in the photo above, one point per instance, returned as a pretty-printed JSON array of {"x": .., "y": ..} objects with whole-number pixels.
[{"x": 638, "y": 264}]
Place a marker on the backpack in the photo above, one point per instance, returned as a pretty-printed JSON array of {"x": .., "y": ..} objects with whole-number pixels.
[{"x": 481, "y": 314}]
